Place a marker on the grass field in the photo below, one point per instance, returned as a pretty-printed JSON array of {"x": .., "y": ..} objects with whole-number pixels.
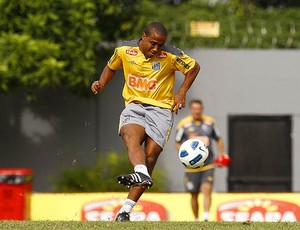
[{"x": 168, "y": 225}]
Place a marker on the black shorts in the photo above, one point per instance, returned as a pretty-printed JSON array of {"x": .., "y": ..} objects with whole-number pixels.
[{"x": 193, "y": 180}]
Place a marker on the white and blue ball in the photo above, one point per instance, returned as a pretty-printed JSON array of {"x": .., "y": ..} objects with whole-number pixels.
[{"x": 193, "y": 153}]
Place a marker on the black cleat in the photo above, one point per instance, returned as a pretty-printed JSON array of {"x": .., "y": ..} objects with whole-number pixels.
[
  {"x": 135, "y": 179},
  {"x": 123, "y": 216}
]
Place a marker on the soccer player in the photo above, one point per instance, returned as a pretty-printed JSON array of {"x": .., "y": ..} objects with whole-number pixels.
[
  {"x": 198, "y": 125},
  {"x": 149, "y": 67}
]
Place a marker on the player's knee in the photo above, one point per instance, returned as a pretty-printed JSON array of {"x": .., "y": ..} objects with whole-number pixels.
[
  {"x": 126, "y": 136},
  {"x": 206, "y": 188},
  {"x": 130, "y": 138}
]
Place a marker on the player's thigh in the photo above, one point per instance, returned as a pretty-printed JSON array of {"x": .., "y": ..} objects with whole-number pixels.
[
  {"x": 133, "y": 134},
  {"x": 159, "y": 122},
  {"x": 192, "y": 181},
  {"x": 207, "y": 181},
  {"x": 132, "y": 124}
]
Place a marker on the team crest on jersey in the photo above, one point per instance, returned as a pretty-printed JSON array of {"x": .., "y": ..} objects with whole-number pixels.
[
  {"x": 204, "y": 127},
  {"x": 191, "y": 129},
  {"x": 156, "y": 65},
  {"x": 132, "y": 52}
]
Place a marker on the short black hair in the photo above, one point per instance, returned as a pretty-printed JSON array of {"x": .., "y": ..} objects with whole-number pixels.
[
  {"x": 158, "y": 27},
  {"x": 196, "y": 101}
]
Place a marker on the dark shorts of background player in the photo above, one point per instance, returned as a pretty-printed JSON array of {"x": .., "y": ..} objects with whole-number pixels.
[{"x": 193, "y": 180}]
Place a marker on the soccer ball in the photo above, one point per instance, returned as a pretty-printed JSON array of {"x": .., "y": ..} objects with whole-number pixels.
[{"x": 193, "y": 153}]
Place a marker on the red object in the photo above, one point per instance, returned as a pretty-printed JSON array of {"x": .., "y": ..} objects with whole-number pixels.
[
  {"x": 222, "y": 160},
  {"x": 15, "y": 192}
]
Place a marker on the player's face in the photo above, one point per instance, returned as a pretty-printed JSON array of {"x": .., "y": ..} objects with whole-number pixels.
[
  {"x": 196, "y": 111},
  {"x": 152, "y": 44}
]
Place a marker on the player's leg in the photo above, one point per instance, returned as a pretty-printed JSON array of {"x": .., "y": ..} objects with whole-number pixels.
[
  {"x": 206, "y": 189},
  {"x": 192, "y": 185},
  {"x": 132, "y": 130},
  {"x": 158, "y": 123},
  {"x": 152, "y": 151},
  {"x": 133, "y": 136},
  {"x": 195, "y": 205}
]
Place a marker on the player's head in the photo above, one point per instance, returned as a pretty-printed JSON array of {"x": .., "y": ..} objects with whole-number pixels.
[
  {"x": 153, "y": 39},
  {"x": 196, "y": 109},
  {"x": 157, "y": 28}
]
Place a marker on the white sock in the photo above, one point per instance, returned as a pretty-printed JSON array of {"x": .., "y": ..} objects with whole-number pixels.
[
  {"x": 197, "y": 219},
  {"x": 127, "y": 206},
  {"x": 141, "y": 168},
  {"x": 205, "y": 216}
]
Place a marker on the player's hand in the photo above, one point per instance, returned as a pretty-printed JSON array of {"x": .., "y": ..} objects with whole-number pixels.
[
  {"x": 179, "y": 103},
  {"x": 222, "y": 160},
  {"x": 177, "y": 106},
  {"x": 96, "y": 87}
]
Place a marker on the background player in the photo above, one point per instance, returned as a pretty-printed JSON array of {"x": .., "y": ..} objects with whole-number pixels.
[
  {"x": 149, "y": 70},
  {"x": 198, "y": 125}
]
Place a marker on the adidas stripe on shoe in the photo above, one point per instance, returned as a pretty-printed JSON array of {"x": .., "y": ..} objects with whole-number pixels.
[{"x": 135, "y": 179}]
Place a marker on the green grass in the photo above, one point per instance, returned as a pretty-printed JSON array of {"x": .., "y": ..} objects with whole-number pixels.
[{"x": 80, "y": 225}]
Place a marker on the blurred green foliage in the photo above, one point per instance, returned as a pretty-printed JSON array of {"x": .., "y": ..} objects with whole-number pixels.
[
  {"x": 67, "y": 42},
  {"x": 47, "y": 43},
  {"x": 241, "y": 25},
  {"x": 53, "y": 43},
  {"x": 102, "y": 176}
]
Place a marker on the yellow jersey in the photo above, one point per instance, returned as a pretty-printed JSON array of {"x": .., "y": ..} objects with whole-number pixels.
[{"x": 149, "y": 80}]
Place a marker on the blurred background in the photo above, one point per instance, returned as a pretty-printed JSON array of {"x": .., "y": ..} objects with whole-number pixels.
[{"x": 50, "y": 122}]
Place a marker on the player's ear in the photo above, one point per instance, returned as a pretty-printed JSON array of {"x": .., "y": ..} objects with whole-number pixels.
[{"x": 144, "y": 35}]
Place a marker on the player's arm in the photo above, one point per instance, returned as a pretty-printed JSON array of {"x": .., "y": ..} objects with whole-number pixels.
[
  {"x": 179, "y": 137},
  {"x": 106, "y": 76},
  {"x": 180, "y": 97},
  {"x": 223, "y": 159},
  {"x": 220, "y": 146},
  {"x": 177, "y": 145}
]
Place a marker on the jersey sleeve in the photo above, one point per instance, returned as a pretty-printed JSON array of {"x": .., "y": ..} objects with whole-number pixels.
[
  {"x": 115, "y": 62},
  {"x": 184, "y": 63},
  {"x": 216, "y": 133},
  {"x": 180, "y": 129}
]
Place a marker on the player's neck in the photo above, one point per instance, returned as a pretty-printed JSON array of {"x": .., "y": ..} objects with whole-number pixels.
[{"x": 197, "y": 119}]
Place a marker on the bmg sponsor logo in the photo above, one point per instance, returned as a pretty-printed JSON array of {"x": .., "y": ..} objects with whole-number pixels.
[
  {"x": 106, "y": 210},
  {"x": 143, "y": 84},
  {"x": 259, "y": 210}
]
